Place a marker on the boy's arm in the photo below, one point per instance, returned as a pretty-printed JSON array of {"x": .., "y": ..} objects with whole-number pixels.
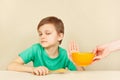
[
  {"x": 18, "y": 65},
  {"x": 73, "y": 47}
]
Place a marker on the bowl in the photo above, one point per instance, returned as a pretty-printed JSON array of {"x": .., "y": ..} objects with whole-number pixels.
[{"x": 82, "y": 58}]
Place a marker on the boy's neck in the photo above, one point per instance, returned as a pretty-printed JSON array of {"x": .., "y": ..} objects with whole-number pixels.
[{"x": 52, "y": 51}]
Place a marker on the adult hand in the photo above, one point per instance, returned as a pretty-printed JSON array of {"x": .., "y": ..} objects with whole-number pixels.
[{"x": 101, "y": 52}]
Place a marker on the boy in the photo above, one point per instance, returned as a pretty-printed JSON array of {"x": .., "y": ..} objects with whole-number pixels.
[{"x": 46, "y": 55}]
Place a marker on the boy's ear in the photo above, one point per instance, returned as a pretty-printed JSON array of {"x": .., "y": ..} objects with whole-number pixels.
[{"x": 61, "y": 35}]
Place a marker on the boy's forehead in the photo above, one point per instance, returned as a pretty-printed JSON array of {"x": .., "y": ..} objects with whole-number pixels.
[{"x": 47, "y": 27}]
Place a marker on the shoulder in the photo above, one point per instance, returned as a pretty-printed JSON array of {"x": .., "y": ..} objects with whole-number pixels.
[
  {"x": 36, "y": 45},
  {"x": 62, "y": 51}
]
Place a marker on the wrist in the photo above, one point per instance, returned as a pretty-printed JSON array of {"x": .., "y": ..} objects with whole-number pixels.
[
  {"x": 31, "y": 69},
  {"x": 114, "y": 46}
]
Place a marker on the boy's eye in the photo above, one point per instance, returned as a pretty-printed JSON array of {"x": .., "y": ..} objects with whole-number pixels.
[
  {"x": 40, "y": 34},
  {"x": 48, "y": 33}
]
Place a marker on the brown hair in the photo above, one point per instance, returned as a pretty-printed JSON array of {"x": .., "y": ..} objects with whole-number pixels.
[{"x": 59, "y": 26}]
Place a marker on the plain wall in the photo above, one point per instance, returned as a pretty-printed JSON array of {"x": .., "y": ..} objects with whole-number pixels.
[{"x": 88, "y": 22}]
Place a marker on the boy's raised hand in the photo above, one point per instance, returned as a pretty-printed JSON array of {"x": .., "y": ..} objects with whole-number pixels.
[{"x": 73, "y": 47}]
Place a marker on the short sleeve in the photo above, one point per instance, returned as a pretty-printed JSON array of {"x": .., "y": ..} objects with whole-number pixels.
[{"x": 27, "y": 55}]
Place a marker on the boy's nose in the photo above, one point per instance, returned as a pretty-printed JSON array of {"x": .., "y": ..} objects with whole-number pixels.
[{"x": 43, "y": 36}]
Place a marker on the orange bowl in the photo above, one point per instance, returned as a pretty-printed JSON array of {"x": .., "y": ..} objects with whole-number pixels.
[{"x": 82, "y": 58}]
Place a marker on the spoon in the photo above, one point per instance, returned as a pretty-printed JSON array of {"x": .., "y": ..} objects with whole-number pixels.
[{"x": 58, "y": 71}]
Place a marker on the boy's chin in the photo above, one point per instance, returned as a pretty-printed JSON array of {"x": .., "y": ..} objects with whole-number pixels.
[{"x": 45, "y": 46}]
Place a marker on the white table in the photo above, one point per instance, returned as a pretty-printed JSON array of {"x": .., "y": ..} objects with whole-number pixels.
[{"x": 70, "y": 75}]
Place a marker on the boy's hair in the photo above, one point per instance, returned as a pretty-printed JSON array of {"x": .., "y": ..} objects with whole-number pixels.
[{"x": 59, "y": 26}]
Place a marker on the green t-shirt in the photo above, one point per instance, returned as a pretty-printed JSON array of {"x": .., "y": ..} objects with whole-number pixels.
[{"x": 37, "y": 54}]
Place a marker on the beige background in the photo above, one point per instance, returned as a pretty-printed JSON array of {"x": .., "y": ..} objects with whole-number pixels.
[{"x": 89, "y": 22}]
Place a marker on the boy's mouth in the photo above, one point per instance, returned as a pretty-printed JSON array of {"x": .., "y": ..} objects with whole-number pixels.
[{"x": 43, "y": 41}]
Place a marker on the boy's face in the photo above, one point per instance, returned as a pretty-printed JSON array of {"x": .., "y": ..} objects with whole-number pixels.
[{"x": 49, "y": 36}]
